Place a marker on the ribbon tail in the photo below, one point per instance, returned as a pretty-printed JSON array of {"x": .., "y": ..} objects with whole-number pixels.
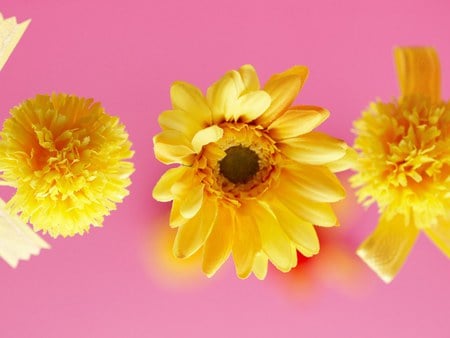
[
  {"x": 10, "y": 34},
  {"x": 17, "y": 241},
  {"x": 387, "y": 248},
  {"x": 440, "y": 236}
]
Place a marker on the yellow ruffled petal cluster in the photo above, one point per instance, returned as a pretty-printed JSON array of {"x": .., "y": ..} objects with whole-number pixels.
[
  {"x": 405, "y": 164},
  {"x": 253, "y": 177},
  {"x": 405, "y": 157},
  {"x": 68, "y": 160}
]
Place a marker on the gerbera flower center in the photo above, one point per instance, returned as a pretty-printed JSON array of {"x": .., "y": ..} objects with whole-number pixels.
[{"x": 240, "y": 164}]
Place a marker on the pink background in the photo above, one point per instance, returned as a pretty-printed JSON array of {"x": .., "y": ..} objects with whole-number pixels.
[{"x": 114, "y": 282}]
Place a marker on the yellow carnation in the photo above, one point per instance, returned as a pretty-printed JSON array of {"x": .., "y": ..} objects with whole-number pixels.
[
  {"x": 67, "y": 159},
  {"x": 405, "y": 164}
]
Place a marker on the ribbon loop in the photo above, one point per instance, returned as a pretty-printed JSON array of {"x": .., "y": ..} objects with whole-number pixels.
[{"x": 418, "y": 72}]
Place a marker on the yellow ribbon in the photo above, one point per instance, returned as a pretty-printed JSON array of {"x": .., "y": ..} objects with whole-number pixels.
[
  {"x": 10, "y": 34},
  {"x": 387, "y": 248},
  {"x": 418, "y": 72}
]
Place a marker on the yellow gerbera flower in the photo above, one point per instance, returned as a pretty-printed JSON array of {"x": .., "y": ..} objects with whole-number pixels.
[
  {"x": 253, "y": 176},
  {"x": 66, "y": 157},
  {"x": 405, "y": 164},
  {"x": 10, "y": 34}
]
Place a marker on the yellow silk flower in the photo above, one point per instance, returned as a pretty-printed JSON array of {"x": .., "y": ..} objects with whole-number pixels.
[
  {"x": 67, "y": 159},
  {"x": 10, "y": 34},
  {"x": 251, "y": 175},
  {"x": 405, "y": 164}
]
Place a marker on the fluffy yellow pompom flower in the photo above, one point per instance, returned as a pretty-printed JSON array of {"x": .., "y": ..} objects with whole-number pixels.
[
  {"x": 67, "y": 159},
  {"x": 253, "y": 176},
  {"x": 405, "y": 164}
]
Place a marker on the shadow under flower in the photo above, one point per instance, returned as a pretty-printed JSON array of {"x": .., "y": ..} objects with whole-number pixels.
[
  {"x": 336, "y": 266},
  {"x": 161, "y": 264}
]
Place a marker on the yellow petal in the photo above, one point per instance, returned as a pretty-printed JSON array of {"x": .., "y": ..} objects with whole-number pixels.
[
  {"x": 171, "y": 146},
  {"x": 274, "y": 241},
  {"x": 17, "y": 240},
  {"x": 185, "y": 184},
  {"x": 293, "y": 255},
  {"x": 440, "y": 235},
  {"x": 188, "y": 198},
  {"x": 205, "y": 136},
  {"x": 223, "y": 95},
  {"x": 192, "y": 203},
  {"x": 10, "y": 34},
  {"x": 387, "y": 248},
  {"x": 191, "y": 235},
  {"x": 249, "y": 78},
  {"x": 213, "y": 153},
  {"x": 181, "y": 121},
  {"x": 190, "y": 99},
  {"x": 316, "y": 183},
  {"x": 219, "y": 243},
  {"x": 260, "y": 265},
  {"x": 348, "y": 161},
  {"x": 246, "y": 242},
  {"x": 250, "y": 106},
  {"x": 297, "y": 121},
  {"x": 317, "y": 213},
  {"x": 418, "y": 72},
  {"x": 313, "y": 148},
  {"x": 176, "y": 219},
  {"x": 283, "y": 88},
  {"x": 299, "y": 231},
  {"x": 162, "y": 191}
]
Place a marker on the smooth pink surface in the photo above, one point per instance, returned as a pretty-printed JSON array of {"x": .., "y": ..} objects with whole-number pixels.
[{"x": 126, "y": 54}]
